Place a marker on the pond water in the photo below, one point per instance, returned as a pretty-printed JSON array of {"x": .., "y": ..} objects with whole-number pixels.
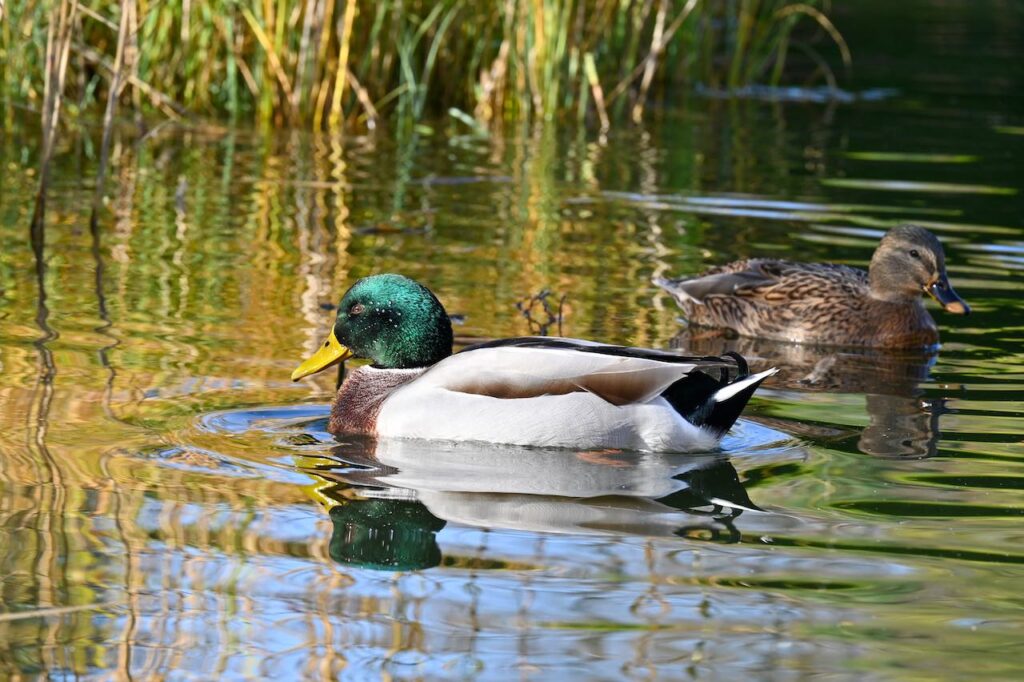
[{"x": 171, "y": 505}]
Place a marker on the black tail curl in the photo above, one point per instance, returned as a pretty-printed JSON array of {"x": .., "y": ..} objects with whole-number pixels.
[
  {"x": 693, "y": 397},
  {"x": 741, "y": 363}
]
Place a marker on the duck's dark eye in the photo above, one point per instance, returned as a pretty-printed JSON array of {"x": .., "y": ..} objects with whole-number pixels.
[
  {"x": 356, "y": 309},
  {"x": 914, "y": 254}
]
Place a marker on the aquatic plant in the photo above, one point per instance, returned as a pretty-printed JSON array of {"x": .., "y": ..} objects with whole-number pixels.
[{"x": 325, "y": 63}]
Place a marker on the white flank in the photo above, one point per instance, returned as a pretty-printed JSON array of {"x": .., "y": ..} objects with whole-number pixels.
[
  {"x": 440, "y": 405},
  {"x": 574, "y": 420}
]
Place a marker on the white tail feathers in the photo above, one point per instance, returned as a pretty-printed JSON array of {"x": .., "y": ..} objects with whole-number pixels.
[{"x": 726, "y": 392}]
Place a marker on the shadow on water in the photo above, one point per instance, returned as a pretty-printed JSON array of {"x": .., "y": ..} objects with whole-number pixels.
[{"x": 902, "y": 422}]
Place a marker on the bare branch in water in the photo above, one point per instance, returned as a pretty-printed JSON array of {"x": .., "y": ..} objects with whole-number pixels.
[{"x": 540, "y": 326}]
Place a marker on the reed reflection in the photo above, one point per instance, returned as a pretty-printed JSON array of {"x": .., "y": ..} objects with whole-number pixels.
[
  {"x": 388, "y": 499},
  {"x": 902, "y": 423}
]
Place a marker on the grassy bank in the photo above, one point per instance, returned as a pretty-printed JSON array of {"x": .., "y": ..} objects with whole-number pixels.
[{"x": 325, "y": 63}]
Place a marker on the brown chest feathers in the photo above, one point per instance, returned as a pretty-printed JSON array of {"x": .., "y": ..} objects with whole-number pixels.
[{"x": 359, "y": 400}]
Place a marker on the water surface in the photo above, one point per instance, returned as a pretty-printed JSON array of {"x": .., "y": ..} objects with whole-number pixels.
[{"x": 171, "y": 504}]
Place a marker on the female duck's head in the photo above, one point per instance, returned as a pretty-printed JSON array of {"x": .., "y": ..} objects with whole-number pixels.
[
  {"x": 393, "y": 320},
  {"x": 908, "y": 262}
]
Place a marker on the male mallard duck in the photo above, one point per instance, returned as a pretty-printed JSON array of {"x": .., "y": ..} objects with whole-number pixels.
[
  {"x": 538, "y": 391},
  {"x": 825, "y": 303}
]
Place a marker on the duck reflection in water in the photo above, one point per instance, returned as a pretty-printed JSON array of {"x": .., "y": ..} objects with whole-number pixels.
[
  {"x": 388, "y": 499},
  {"x": 902, "y": 423},
  {"x": 381, "y": 533}
]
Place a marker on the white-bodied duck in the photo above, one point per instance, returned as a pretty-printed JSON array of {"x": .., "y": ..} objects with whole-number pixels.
[{"x": 537, "y": 391}]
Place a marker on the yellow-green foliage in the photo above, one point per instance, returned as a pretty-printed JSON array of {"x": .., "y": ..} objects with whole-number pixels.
[{"x": 321, "y": 62}]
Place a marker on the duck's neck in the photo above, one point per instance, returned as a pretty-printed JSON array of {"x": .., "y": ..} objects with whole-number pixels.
[
  {"x": 881, "y": 291},
  {"x": 358, "y": 401},
  {"x": 887, "y": 281}
]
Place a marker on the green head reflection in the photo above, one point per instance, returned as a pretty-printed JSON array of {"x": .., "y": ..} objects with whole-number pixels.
[{"x": 389, "y": 535}]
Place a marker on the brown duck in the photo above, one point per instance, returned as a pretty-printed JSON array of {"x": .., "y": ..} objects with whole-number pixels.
[{"x": 828, "y": 304}]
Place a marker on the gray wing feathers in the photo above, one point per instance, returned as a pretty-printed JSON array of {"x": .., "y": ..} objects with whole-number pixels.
[
  {"x": 768, "y": 280},
  {"x": 722, "y": 284}
]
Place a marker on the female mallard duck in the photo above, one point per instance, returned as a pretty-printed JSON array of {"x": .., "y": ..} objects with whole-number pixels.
[
  {"x": 526, "y": 391},
  {"x": 825, "y": 303}
]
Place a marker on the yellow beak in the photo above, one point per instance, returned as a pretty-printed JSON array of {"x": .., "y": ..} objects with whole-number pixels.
[{"x": 330, "y": 354}]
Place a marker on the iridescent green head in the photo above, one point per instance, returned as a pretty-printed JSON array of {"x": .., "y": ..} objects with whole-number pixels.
[{"x": 393, "y": 320}]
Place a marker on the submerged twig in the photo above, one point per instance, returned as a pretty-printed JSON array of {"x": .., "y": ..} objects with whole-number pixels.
[{"x": 540, "y": 327}]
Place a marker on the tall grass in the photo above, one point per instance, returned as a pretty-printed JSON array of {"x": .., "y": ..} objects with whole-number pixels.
[{"x": 329, "y": 63}]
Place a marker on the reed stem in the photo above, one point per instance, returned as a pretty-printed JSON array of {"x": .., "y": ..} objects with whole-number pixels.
[{"x": 337, "y": 63}]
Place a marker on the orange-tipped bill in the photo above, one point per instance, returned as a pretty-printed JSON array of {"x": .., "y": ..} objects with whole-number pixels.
[
  {"x": 942, "y": 291},
  {"x": 329, "y": 354}
]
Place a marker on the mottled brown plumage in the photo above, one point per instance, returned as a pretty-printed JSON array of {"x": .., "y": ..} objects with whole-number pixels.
[{"x": 828, "y": 304}]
